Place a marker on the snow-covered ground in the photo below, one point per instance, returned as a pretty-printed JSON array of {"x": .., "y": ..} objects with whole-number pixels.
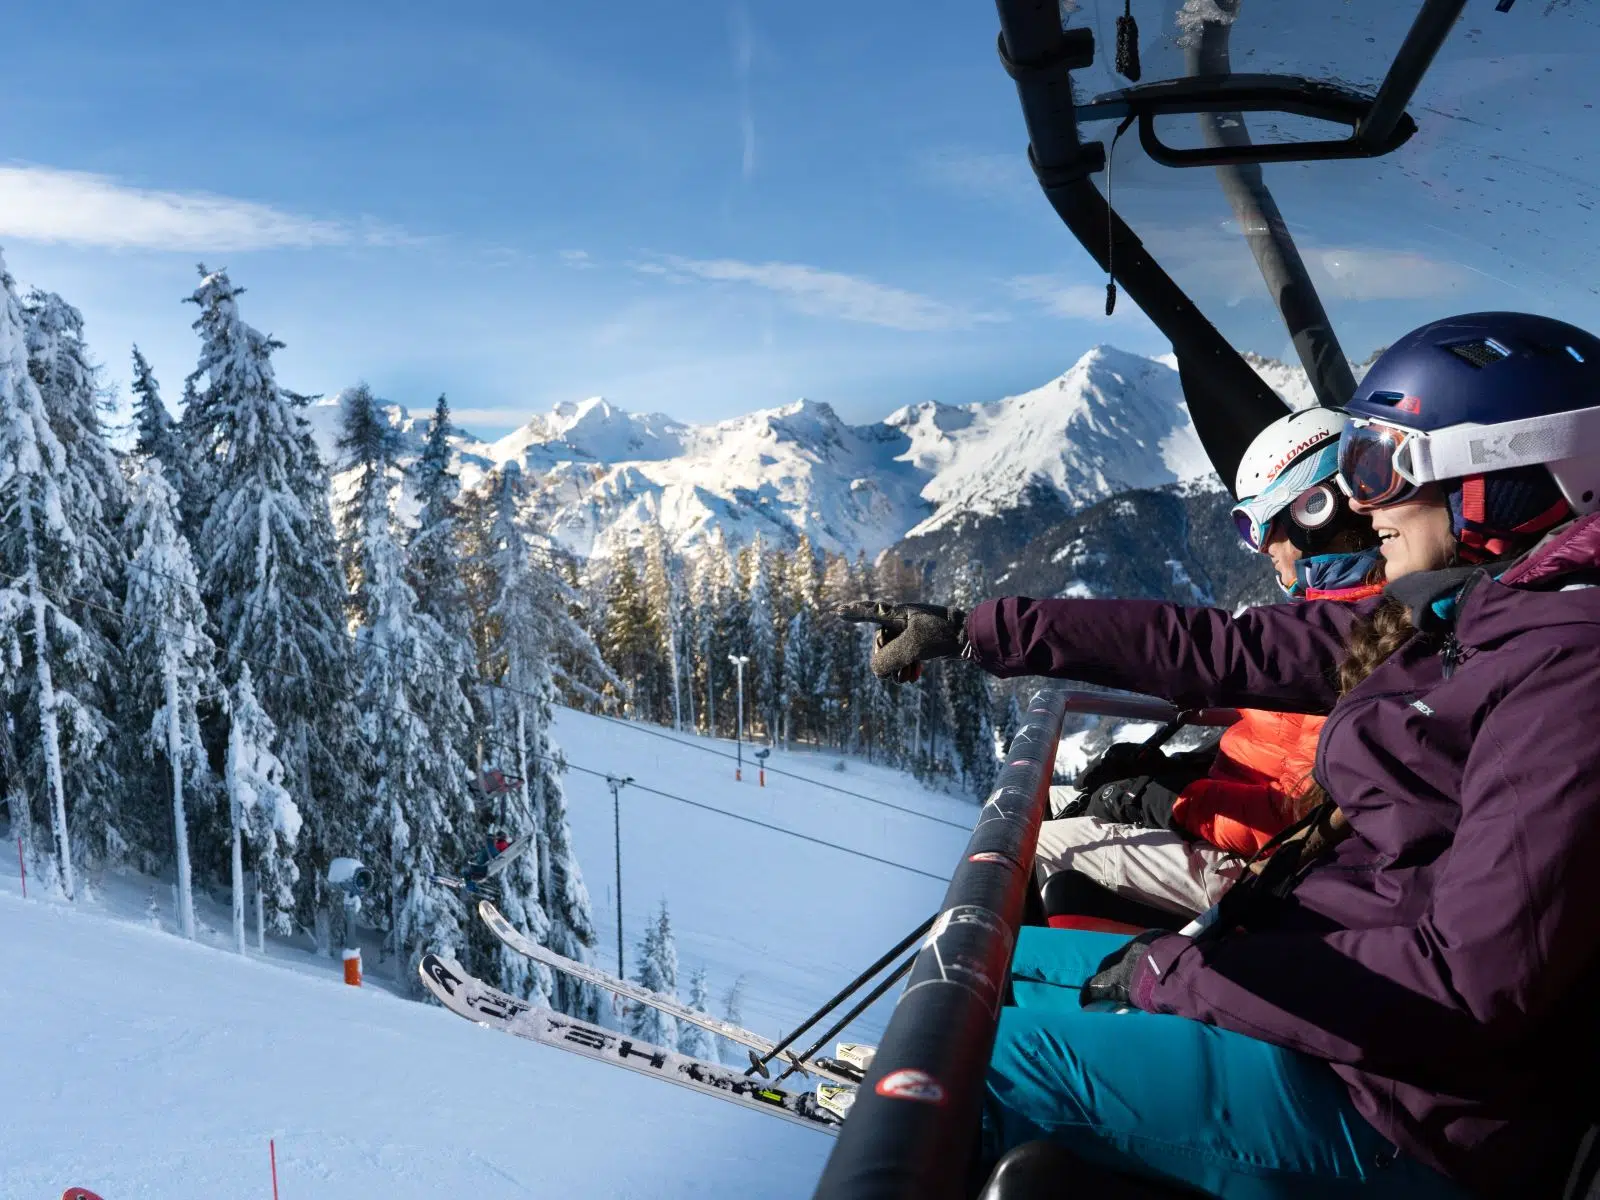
[{"x": 144, "y": 1066}]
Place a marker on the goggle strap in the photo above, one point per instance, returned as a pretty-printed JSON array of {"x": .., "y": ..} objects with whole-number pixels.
[{"x": 1465, "y": 450}]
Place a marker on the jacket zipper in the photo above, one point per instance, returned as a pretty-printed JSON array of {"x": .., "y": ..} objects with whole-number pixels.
[{"x": 1450, "y": 654}]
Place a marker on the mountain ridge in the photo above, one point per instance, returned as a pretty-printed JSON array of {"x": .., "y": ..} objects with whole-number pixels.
[{"x": 1112, "y": 422}]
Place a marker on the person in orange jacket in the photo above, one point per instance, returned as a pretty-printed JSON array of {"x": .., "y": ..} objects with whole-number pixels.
[{"x": 1175, "y": 831}]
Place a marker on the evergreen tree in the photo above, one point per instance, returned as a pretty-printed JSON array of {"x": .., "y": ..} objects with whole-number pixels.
[
  {"x": 41, "y": 558},
  {"x": 170, "y": 669},
  {"x": 731, "y": 1052},
  {"x": 269, "y": 574},
  {"x": 438, "y": 577},
  {"x": 663, "y": 593},
  {"x": 657, "y": 970},
  {"x": 522, "y": 620},
  {"x": 263, "y": 814},
  {"x": 89, "y": 679},
  {"x": 801, "y": 678},
  {"x": 155, "y": 433},
  {"x": 433, "y": 555},
  {"x": 968, "y": 702},
  {"x": 631, "y": 641},
  {"x": 415, "y": 716},
  {"x": 762, "y": 644},
  {"x": 692, "y": 1040}
]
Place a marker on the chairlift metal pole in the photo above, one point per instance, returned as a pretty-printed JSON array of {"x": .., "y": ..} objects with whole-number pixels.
[
  {"x": 616, "y": 785},
  {"x": 738, "y": 661}
]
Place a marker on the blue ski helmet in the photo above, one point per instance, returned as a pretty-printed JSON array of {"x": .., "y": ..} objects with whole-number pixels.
[{"x": 1499, "y": 408}]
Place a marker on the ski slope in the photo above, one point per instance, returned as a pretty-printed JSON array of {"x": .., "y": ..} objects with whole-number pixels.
[{"x": 144, "y": 1066}]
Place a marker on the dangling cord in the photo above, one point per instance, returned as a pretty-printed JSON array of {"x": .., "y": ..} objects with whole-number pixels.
[
  {"x": 1128, "y": 44},
  {"x": 1111, "y": 216}
]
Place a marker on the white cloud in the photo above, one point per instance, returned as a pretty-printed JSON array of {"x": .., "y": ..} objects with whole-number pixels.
[
  {"x": 45, "y": 204},
  {"x": 1077, "y": 301},
  {"x": 1002, "y": 177},
  {"x": 577, "y": 259},
  {"x": 1213, "y": 262},
  {"x": 1364, "y": 274},
  {"x": 826, "y": 293}
]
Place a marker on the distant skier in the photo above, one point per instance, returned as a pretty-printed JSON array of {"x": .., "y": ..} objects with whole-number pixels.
[{"x": 478, "y": 870}]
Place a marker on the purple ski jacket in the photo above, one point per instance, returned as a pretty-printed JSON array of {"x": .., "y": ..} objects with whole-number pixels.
[{"x": 1445, "y": 959}]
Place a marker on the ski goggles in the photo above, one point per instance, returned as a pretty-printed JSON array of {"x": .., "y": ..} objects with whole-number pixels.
[
  {"x": 1381, "y": 463},
  {"x": 1377, "y": 462},
  {"x": 1294, "y": 491}
]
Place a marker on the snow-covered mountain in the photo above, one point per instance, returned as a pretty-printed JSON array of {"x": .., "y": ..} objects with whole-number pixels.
[{"x": 1113, "y": 422}]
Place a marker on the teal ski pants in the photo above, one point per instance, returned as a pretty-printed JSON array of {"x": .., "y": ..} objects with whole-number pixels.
[{"x": 1174, "y": 1099}]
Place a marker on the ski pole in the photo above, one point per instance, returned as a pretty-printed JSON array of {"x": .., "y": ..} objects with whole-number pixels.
[
  {"x": 759, "y": 1065},
  {"x": 798, "y": 1063}
]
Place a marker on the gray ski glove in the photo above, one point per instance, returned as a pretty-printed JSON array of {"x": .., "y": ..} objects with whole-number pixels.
[{"x": 909, "y": 635}]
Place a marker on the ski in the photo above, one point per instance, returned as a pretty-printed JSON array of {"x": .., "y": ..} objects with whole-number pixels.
[
  {"x": 520, "y": 942},
  {"x": 469, "y": 997},
  {"x": 461, "y": 885},
  {"x": 837, "y": 1098}
]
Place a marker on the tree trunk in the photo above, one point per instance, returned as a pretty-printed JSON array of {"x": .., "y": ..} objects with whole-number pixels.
[
  {"x": 48, "y": 731},
  {"x": 16, "y": 793},
  {"x": 180, "y": 824},
  {"x": 238, "y": 869}
]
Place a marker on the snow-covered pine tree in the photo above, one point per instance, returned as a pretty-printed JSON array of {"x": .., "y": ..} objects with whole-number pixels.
[
  {"x": 522, "y": 620},
  {"x": 40, "y": 565},
  {"x": 761, "y": 676},
  {"x": 198, "y": 452},
  {"x": 657, "y": 970},
  {"x": 170, "y": 669},
  {"x": 269, "y": 571},
  {"x": 261, "y": 810},
  {"x": 800, "y": 687},
  {"x": 415, "y": 716},
  {"x": 155, "y": 432},
  {"x": 438, "y": 577},
  {"x": 731, "y": 1052},
  {"x": 801, "y": 680},
  {"x": 663, "y": 596},
  {"x": 631, "y": 646},
  {"x": 94, "y": 489},
  {"x": 724, "y": 634},
  {"x": 692, "y": 1040},
  {"x": 968, "y": 701}
]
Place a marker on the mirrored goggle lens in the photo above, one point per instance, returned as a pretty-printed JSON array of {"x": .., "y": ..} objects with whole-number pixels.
[
  {"x": 1251, "y": 532},
  {"x": 1367, "y": 467}
]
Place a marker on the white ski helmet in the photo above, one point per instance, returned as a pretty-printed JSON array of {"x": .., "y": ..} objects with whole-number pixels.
[{"x": 1283, "y": 469}]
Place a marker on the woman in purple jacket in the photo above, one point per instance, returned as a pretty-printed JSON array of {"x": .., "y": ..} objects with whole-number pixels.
[{"x": 1413, "y": 1011}]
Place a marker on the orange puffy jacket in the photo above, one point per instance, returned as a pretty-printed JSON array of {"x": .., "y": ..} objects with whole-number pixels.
[{"x": 1263, "y": 763}]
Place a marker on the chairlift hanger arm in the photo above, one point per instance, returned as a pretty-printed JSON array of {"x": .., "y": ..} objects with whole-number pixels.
[
  {"x": 1229, "y": 402},
  {"x": 1293, "y": 94}
]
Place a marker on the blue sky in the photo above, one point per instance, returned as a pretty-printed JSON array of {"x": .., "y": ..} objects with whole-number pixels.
[{"x": 699, "y": 209}]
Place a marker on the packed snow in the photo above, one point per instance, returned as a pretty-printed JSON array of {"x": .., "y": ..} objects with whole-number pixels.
[{"x": 151, "y": 1067}]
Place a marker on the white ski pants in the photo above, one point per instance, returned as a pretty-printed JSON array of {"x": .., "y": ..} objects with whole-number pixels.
[{"x": 1153, "y": 865}]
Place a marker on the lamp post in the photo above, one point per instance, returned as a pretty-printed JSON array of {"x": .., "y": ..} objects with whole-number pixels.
[
  {"x": 616, "y": 785},
  {"x": 738, "y": 661}
]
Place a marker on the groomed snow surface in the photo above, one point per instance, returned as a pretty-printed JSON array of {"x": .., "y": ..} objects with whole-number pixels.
[{"x": 143, "y": 1066}]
